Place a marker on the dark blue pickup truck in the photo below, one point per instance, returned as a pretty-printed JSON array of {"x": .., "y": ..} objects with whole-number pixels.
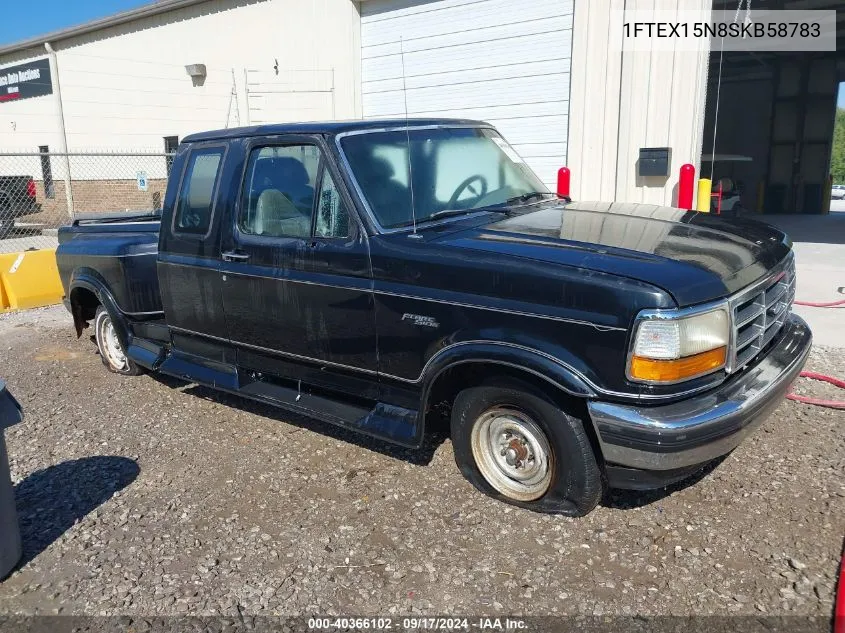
[{"x": 374, "y": 274}]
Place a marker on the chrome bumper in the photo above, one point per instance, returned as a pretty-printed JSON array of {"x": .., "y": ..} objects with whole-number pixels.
[{"x": 705, "y": 426}]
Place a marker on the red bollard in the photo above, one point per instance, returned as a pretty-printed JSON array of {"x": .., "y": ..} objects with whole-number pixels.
[
  {"x": 563, "y": 178},
  {"x": 686, "y": 186}
]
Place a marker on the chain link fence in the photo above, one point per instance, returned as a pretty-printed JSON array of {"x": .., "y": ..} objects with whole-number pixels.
[{"x": 39, "y": 192}]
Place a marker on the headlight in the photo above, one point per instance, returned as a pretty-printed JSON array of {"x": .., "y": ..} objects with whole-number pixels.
[{"x": 669, "y": 348}]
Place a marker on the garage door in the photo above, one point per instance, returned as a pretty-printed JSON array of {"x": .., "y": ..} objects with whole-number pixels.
[{"x": 502, "y": 61}]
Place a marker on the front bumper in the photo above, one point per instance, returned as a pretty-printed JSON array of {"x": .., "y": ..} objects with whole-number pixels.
[{"x": 706, "y": 426}]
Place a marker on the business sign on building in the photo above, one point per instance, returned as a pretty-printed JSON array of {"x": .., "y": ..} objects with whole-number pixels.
[{"x": 24, "y": 81}]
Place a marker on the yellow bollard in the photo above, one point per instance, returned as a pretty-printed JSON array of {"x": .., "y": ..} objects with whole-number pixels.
[{"x": 705, "y": 186}]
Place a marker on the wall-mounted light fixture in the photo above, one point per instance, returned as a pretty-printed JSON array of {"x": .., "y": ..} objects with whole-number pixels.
[{"x": 197, "y": 73}]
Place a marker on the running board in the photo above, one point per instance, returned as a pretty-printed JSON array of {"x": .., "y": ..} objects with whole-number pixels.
[
  {"x": 201, "y": 370},
  {"x": 383, "y": 421},
  {"x": 290, "y": 398},
  {"x": 145, "y": 353}
]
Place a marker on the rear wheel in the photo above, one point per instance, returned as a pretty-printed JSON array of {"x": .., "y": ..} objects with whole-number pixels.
[
  {"x": 515, "y": 444},
  {"x": 111, "y": 351}
]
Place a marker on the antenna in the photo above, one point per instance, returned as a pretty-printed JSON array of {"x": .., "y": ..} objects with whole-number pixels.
[
  {"x": 747, "y": 4},
  {"x": 408, "y": 141},
  {"x": 719, "y": 90}
]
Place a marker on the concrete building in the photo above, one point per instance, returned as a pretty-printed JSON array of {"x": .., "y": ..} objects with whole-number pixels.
[{"x": 550, "y": 74}]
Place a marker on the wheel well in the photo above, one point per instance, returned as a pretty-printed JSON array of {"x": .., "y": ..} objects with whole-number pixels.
[
  {"x": 455, "y": 379},
  {"x": 83, "y": 305}
]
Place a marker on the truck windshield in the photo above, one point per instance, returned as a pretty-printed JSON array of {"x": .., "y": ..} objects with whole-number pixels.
[{"x": 453, "y": 169}]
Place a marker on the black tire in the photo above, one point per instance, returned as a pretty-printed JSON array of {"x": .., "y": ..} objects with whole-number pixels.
[
  {"x": 575, "y": 484},
  {"x": 111, "y": 351}
]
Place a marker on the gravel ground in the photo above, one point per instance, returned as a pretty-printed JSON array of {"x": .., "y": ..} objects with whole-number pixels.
[{"x": 147, "y": 496}]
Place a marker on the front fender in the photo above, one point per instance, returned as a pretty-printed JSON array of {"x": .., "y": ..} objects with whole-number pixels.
[{"x": 536, "y": 362}]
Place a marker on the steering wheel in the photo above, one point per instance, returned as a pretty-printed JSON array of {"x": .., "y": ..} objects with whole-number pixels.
[{"x": 466, "y": 185}]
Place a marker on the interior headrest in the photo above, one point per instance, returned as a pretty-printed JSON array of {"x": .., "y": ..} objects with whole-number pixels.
[
  {"x": 381, "y": 169},
  {"x": 294, "y": 171}
]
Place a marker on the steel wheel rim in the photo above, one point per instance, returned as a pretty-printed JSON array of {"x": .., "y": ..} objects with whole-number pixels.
[
  {"x": 512, "y": 453},
  {"x": 111, "y": 345}
]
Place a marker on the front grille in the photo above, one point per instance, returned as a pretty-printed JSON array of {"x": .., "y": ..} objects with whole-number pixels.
[{"x": 758, "y": 314}]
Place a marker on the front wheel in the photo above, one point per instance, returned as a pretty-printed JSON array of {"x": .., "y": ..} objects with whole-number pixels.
[
  {"x": 111, "y": 351},
  {"x": 517, "y": 446}
]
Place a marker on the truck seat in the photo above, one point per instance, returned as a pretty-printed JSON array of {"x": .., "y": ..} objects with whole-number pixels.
[{"x": 277, "y": 216}]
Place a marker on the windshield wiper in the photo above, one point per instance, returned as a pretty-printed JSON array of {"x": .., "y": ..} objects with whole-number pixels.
[
  {"x": 447, "y": 213},
  {"x": 527, "y": 196},
  {"x": 500, "y": 207}
]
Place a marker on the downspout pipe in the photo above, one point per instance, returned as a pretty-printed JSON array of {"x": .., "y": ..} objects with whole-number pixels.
[{"x": 60, "y": 121}]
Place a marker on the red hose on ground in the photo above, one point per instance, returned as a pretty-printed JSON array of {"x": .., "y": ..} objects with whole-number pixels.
[
  {"x": 831, "y": 404},
  {"x": 814, "y": 304}
]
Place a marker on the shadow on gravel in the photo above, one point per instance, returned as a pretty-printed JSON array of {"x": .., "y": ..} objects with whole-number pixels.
[
  {"x": 419, "y": 457},
  {"x": 630, "y": 499},
  {"x": 52, "y": 500}
]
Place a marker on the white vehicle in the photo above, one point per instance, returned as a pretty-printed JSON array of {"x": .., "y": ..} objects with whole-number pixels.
[{"x": 838, "y": 192}]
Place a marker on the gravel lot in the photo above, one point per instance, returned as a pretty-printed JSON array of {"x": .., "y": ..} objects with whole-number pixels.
[{"x": 147, "y": 496}]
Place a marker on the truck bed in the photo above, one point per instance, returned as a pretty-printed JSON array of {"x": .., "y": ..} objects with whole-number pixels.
[{"x": 118, "y": 249}]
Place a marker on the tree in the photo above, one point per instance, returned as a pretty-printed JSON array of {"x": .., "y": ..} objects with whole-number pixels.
[{"x": 837, "y": 157}]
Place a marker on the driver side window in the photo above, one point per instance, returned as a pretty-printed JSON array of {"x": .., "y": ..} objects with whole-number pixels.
[
  {"x": 332, "y": 216},
  {"x": 279, "y": 191}
]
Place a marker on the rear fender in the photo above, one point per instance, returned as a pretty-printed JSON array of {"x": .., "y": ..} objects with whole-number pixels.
[{"x": 91, "y": 281}]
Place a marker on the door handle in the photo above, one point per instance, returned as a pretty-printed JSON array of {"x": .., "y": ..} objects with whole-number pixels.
[{"x": 234, "y": 256}]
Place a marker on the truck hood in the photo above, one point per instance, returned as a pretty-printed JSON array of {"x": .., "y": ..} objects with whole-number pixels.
[{"x": 693, "y": 256}]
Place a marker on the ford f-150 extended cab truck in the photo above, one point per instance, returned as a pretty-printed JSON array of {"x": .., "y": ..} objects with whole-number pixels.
[{"x": 375, "y": 274}]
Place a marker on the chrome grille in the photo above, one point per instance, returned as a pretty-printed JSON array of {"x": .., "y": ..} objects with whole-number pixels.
[{"x": 758, "y": 314}]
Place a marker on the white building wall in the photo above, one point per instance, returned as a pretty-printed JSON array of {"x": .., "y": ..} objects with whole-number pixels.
[
  {"x": 503, "y": 61},
  {"x": 126, "y": 87},
  {"x": 621, "y": 102}
]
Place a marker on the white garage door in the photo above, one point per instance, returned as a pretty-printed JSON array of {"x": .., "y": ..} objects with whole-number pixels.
[{"x": 502, "y": 61}]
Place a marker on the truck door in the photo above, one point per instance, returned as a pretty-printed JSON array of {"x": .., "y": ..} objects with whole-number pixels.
[
  {"x": 189, "y": 254},
  {"x": 296, "y": 279}
]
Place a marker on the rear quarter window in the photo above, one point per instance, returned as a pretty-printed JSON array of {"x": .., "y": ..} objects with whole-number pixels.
[{"x": 196, "y": 195}]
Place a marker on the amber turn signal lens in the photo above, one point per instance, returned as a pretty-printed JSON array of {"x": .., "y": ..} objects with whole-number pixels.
[{"x": 678, "y": 369}]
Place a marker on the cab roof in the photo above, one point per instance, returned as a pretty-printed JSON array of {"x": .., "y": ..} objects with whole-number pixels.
[{"x": 325, "y": 127}]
